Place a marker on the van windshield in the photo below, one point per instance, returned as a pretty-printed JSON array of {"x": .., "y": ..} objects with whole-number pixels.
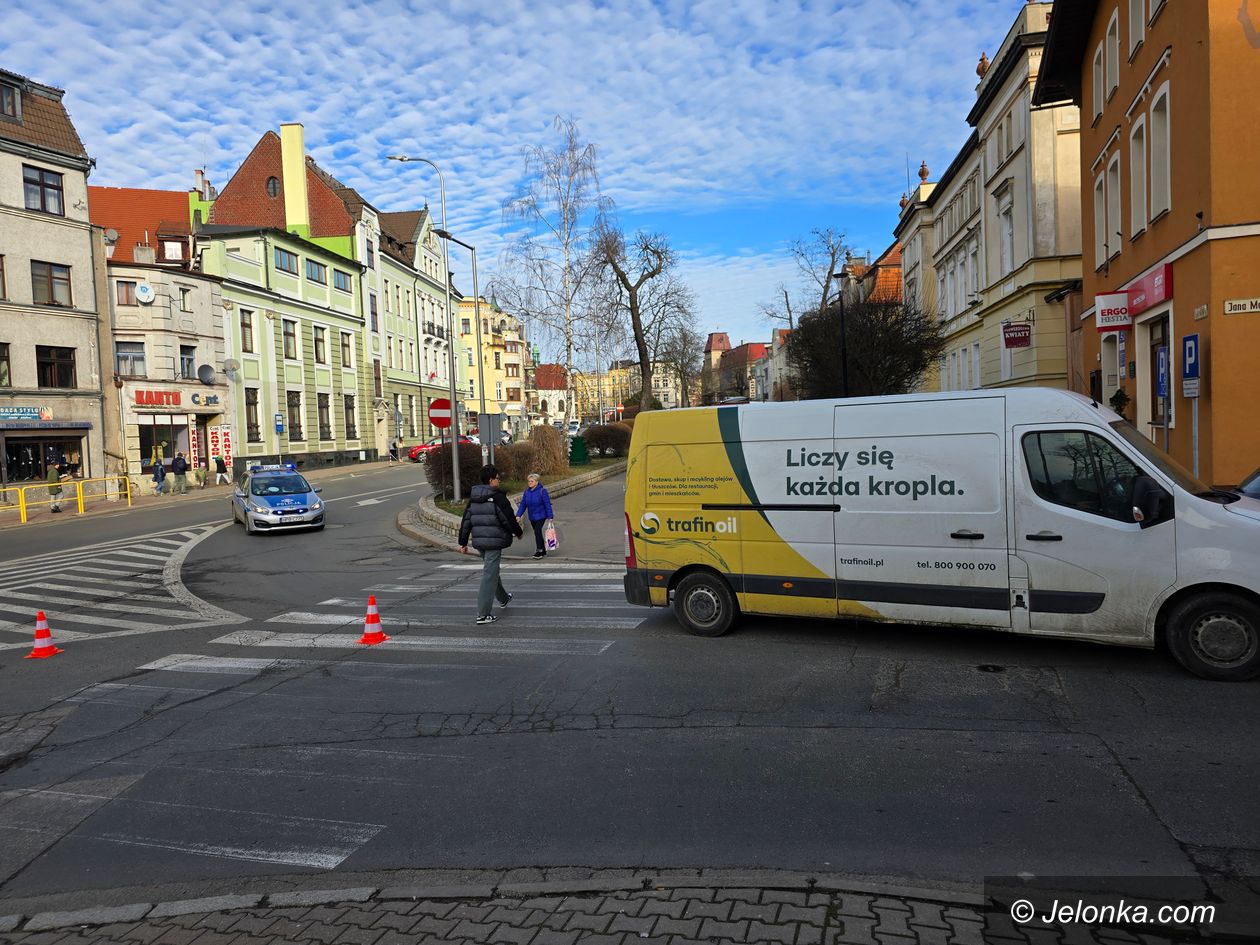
[{"x": 1163, "y": 462}]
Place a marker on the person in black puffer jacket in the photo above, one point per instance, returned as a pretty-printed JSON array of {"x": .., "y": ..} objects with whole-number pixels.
[{"x": 489, "y": 522}]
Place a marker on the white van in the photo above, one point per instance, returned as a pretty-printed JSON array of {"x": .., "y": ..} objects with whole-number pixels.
[{"x": 1032, "y": 510}]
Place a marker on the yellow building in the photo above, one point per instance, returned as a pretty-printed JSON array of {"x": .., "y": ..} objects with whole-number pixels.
[{"x": 502, "y": 365}]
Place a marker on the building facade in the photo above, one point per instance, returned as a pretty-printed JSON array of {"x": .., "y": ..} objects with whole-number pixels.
[
  {"x": 54, "y": 402},
  {"x": 1170, "y": 209},
  {"x": 501, "y": 364}
]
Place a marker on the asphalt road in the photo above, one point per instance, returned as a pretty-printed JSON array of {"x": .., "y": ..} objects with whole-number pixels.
[{"x": 252, "y": 739}]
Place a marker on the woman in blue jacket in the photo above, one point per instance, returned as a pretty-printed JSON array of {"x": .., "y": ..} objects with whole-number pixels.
[{"x": 537, "y": 503}]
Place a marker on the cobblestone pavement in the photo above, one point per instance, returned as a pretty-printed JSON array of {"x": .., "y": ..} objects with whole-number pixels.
[{"x": 644, "y": 916}]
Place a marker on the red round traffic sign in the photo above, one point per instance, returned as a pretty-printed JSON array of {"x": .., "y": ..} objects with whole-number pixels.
[{"x": 440, "y": 413}]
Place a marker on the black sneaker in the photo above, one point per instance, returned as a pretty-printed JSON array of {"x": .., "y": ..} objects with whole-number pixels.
[
  {"x": 508, "y": 601},
  {"x": 488, "y": 618},
  {"x": 540, "y": 554}
]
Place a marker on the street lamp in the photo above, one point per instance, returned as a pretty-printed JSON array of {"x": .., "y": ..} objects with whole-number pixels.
[
  {"x": 481, "y": 365},
  {"x": 450, "y": 323}
]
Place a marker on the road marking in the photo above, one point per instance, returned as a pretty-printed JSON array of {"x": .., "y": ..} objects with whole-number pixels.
[
  {"x": 307, "y": 618},
  {"x": 478, "y": 644},
  {"x": 369, "y": 502},
  {"x": 527, "y": 565},
  {"x": 518, "y": 602}
]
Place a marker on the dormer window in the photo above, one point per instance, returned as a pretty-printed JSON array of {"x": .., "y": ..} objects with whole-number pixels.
[{"x": 10, "y": 102}]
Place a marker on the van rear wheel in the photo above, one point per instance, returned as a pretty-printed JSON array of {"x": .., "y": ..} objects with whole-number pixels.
[
  {"x": 1216, "y": 636},
  {"x": 704, "y": 604}
]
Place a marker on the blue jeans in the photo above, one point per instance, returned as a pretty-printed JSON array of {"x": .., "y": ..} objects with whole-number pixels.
[{"x": 491, "y": 587}]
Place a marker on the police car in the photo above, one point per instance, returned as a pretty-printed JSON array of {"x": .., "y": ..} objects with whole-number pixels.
[{"x": 276, "y": 498}]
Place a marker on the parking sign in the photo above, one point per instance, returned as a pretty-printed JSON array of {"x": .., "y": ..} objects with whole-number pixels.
[
  {"x": 1190, "y": 363},
  {"x": 1161, "y": 368}
]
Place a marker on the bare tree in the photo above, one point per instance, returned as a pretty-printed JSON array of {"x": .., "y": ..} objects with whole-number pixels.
[
  {"x": 683, "y": 352},
  {"x": 891, "y": 345},
  {"x": 781, "y": 309},
  {"x": 549, "y": 267},
  {"x": 634, "y": 269},
  {"x": 820, "y": 260}
]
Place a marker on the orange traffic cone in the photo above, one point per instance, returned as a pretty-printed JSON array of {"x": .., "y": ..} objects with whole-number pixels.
[
  {"x": 43, "y": 640},
  {"x": 372, "y": 632}
]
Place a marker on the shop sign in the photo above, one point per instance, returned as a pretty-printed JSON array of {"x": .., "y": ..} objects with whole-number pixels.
[
  {"x": 157, "y": 398},
  {"x": 1017, "y": 335},
  {"x": 1242, "y": 306},
  {"x": 1153, "y": 288},
  {"x": 25, "y": 413},
  {"x": 205, "y": 400},
  {"x": 1111, "y": 312},
  {"x": 221, "y": 442},
  {"x": 194, "y": 441}
]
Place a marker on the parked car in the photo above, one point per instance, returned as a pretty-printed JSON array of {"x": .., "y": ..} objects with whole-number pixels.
[{"x": 420, "y": 452}]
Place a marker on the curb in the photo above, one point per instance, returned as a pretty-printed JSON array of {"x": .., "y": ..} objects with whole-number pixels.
[
  {"x": 427, "y": 523},
  {"x": 501, "y": 887}
]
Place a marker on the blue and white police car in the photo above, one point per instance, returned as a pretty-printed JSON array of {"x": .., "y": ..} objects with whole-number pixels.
[{"x": 276, "y": 498}]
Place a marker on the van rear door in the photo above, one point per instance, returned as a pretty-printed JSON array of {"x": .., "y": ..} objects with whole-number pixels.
[{"x": 921, "y": 534}]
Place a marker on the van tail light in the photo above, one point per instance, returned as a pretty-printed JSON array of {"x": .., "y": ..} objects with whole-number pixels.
[{"x": 631, "y": 562}]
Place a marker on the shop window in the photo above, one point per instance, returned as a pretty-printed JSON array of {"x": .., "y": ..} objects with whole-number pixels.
[
  {"x": 50, "y": 283},
  {"x": 352, "y": 418},
  {"x": 325, "y": 416},
  {"x": 161, "y": 437},
  {"x": 129, "y": 358},
  {"x": 293, "y": 400},
  {"x": 253, "y": 433},
  {"x": 54, "y": 367},
  {"x": 43, "y": 190}
]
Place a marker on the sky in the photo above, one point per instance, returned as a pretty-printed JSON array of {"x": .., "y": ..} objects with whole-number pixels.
[{"x": 730, "y": 127}]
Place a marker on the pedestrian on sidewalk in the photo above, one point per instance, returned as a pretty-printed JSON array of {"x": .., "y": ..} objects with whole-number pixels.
[
  {"x": 55, "y": 473},
  {"x": 220, "y": 472},
  {"x": 179, "y": 466},
  {"x": 199, "y": 474},
  {"x": 489, "y": 522},
  {"x": 536, "y": 503},
  {"x": 159, "y": 477}
]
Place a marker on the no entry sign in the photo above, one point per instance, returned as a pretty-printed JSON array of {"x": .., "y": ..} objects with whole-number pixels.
[{"x": 440, "y": 413}]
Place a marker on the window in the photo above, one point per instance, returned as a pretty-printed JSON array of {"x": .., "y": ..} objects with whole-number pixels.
[
  {"x": 1113, "y": 53},
  {"x": 125, "y": 292},
  {"x": 286, "y": 261},
  {"x": 411, "y": 415},
  {"x": 247, "y": 331},
  {"x": 341, "y": 280},
  {"x": 3, "y": 292},
  {"x": 497, "y": 365},
  {"x": 1160, "y": 146},
  {"x": 376, "y": 376},
  {"x": 389, "y": 350},
  {"x": 1081, "y": 471},
  {"x": 975, "y": 366},
  {"x": 1006, "y": 232},
  {"x": 1100, "y": 222},
  {"x": 253, "y": 433},
  {"x": 1115, "y": 230},
  {"x": 470, "y": 357},
  {"x": 1137, "y": 24},
  {"x": 498, "y": 390},
  {"x": 185, "y": 299},
  {"x": 370, "y": 256},
  {"x": 513, "y": 370},
  {"x": 1137, "y": 178},
  {"x": 316, "y": 272},
  {"x": 321, "y": 345},
  {"x": 54, "y": 367},
  {"x": 325, "y": 416},
  {"x": 129, "y": 358},
  {"x": 9, "y": 102},
  {"x": 273, "y": 187},
  {"x": 43, "y": 190},
  {"x": 289, "y": 329},
  {"x": 1098, "y": 82},
  {"x": 293, "y": 401},
  {"x": 50, "y": 283},
  {"x": 172, "y": 250},
  {"x": 352, "y": 418},
  {"x": 347, "y": 359},
  {"x": 373, "y": 312},
  {"x": 188, "y": 362},
  {"x": 464, "y": 326},
  {"x": 1007, "y": 362}
]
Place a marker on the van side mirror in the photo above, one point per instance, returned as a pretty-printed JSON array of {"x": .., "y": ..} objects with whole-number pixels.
[{"x": 1148, "y": 502}]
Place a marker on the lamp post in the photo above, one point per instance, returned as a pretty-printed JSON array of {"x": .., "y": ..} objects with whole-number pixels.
[
  {"x": 481, "y": 366},
  {"x": 450, "y": 324}
]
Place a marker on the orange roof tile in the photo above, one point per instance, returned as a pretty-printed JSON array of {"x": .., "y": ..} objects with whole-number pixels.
[{"x": 138, "y": 215}]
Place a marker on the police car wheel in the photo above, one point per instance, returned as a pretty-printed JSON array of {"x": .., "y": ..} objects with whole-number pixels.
[
  {"x": 1216, "y": 636},
  {"x": 704, "y": 604}
]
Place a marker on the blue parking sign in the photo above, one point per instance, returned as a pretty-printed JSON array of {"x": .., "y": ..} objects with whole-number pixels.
[
  {"x": 1191, "y": 362},
  {"x": 1161, "y": 369}
]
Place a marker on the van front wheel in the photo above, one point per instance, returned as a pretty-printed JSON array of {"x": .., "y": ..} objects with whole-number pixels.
[
  {"x": 1216, "y": 636},
  {"x": 704, "y": 604}
]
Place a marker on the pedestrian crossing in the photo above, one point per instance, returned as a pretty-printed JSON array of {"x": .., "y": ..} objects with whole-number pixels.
[
  {"x": 115, "y": 588},
  {"x": 552, "y": 597}
]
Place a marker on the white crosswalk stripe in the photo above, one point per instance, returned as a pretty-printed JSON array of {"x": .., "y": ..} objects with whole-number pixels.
[{"x": 114, "y": 588}]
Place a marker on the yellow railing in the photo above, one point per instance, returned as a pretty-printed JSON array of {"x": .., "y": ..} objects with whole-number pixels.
[{"x": 72, "y": 491}]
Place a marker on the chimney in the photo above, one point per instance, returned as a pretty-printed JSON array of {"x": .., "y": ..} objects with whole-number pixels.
[
  {"x": 293, "y": 169},
  {"x": 201, "y": 181},
  {"x": 143, "y": 254}
]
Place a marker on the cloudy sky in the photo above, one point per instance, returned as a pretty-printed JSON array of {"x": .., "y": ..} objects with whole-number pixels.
[{"x": 732, "y": 126}]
